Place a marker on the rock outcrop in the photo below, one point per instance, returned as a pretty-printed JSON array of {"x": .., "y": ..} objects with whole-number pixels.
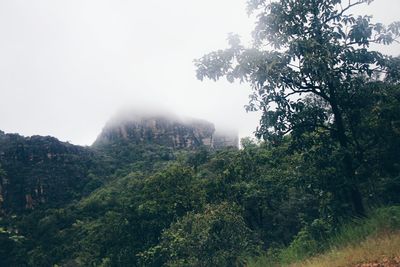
[
  {"x": 40, "y": 170},
  {"x": 164, "y": 130}
]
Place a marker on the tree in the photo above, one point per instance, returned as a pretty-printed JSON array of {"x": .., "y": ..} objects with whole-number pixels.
[
  {"x": 2, "y": 176},
  {"x": 318, "y": 62},
  {"x": 218, "y": 236}
]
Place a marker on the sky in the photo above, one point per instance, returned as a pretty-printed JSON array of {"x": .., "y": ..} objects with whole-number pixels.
[{"x": 67, "y": 66}]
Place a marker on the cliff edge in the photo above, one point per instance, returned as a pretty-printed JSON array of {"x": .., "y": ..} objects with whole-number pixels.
[{"x": 164, "y": 129}]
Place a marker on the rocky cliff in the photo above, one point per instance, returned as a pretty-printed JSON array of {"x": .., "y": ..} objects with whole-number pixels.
[
  {"x": 163, "y": 130},
  {"x": 40, "y": 170}
]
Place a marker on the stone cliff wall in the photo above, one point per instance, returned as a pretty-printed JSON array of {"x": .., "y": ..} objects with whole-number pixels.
[
  {"x": 38, "y": 170},
  {"x": 166, "y": 131}
]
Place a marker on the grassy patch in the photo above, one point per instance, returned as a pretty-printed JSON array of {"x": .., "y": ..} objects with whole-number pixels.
[
  {"x": 367, "y": 239},
  {"x": 377, "y": 249}
]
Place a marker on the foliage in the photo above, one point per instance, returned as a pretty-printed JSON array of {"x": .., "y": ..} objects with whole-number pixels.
[
  {"x": 12, "y": 248},
  {"x": 320, "y": 63},
  {"x": 216, "y": 237},
  {"x": 314, "y": 76}
]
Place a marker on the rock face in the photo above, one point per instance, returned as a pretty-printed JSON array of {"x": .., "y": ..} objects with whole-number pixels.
[
  {"x": 164, "y": 130},
  {"x": 40, "y": 170}
]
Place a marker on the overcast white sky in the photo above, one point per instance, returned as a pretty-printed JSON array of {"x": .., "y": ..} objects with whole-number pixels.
[{"x": 67, "y": 66}]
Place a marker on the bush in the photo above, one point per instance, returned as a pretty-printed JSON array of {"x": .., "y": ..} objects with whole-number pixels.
[{"x": 216, "y": 237}]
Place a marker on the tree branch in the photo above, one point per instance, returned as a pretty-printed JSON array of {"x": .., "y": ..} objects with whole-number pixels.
[{"x": 350, "y": 5}]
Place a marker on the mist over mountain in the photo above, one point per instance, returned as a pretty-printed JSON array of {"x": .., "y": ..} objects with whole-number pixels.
[{"x": 165, "y": 129}]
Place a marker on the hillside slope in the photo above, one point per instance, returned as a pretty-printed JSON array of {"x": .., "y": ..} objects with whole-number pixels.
[
  {"x": 381, "y": 250},
  {"x": 42, "y": 170},
  {"x": 373, "y": 241}
]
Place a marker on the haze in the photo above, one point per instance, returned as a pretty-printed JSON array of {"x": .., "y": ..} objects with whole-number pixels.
[{"x": 66, "y": 67}]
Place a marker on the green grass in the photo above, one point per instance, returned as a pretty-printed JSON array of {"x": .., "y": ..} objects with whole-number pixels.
[{"x": 362, "y": 237}]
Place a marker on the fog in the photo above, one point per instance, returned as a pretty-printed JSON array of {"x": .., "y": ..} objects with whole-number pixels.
[{"x": 66, "y": 67}]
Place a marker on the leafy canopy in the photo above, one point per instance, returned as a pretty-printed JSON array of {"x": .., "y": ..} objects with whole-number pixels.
[{"x": 309, "y": 59}]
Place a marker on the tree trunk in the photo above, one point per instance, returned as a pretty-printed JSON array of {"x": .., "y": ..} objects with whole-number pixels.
[{"x": 351, "y": 181}]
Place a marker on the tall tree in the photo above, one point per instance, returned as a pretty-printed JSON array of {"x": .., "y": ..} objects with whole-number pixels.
[{"x": 309, "y": 61}]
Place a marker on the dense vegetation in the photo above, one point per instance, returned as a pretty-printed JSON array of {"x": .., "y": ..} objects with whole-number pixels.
[
  {"x": 311, "y": 69},
  {"x": 210, "y": 208},
  {"x": 330, "y": 152}
]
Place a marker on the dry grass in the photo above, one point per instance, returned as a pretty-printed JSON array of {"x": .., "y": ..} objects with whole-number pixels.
[
  {"x": 380, "y": 251},
  {"x": 365, "y": 242}
]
